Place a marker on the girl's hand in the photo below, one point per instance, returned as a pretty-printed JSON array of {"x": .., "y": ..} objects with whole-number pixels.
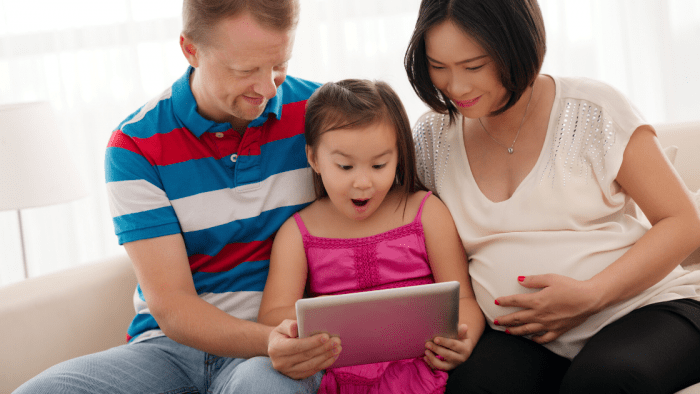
[
  {"x": 562, "y": 304},
  {"x": 446, "y": 354}
]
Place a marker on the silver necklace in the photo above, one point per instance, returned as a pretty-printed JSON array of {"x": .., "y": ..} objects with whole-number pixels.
[{"x": 510, "y": 150}]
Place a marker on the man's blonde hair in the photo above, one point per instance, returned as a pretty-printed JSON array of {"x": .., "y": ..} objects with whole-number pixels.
[{"x": 200, "y": 16}]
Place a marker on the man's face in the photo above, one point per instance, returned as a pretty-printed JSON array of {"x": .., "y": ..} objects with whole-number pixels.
[{"x": 239, "y": 70}]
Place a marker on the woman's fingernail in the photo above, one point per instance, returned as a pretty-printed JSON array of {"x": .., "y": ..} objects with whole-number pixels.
[
  {"x": 507, "y": 331},
  {"x": 496, "y": 322},
  {"x": 521, "y": 278},
  {"x": 496, "y": 302}
]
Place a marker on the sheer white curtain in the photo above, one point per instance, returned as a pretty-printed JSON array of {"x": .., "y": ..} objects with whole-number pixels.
[{"x": 98, "y": 61}]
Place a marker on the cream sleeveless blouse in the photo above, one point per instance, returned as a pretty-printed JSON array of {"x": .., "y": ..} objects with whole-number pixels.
[{"x": 567, "y": 217}]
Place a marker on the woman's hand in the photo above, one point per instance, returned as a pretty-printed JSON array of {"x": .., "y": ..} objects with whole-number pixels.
[
  {"x": 561, "y": 304},
  {"x": 446, "y": 354}
]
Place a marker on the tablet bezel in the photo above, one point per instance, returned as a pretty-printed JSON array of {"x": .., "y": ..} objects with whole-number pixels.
[{"x": 369, "y": 334}]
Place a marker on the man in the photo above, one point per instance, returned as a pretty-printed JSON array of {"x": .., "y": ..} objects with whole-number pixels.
[{"x": 199, "y": 180}]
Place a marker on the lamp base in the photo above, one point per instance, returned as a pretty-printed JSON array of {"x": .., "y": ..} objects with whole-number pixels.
[{"x": 21, "y": 241}]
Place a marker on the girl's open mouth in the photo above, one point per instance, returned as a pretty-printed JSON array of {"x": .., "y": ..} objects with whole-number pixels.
[{"x": 360, "y": 203}]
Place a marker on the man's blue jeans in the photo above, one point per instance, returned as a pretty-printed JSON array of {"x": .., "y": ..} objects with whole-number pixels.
[{"x": 161, "y": 365}]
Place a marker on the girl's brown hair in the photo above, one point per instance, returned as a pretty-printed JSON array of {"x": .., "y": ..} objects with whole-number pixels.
[
  {"x": 355, "y": 103},
  {"x": 510, "y": 31}
]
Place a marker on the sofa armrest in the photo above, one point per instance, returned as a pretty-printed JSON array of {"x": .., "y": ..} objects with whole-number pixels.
[{"x": 56, "y": 317}]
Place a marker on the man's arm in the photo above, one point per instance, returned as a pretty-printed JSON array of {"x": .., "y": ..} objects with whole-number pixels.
[{"x": 163, "y": 272}]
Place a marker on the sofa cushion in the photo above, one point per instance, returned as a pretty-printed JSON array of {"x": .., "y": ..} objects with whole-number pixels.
[{"x": 56, "y": 317}]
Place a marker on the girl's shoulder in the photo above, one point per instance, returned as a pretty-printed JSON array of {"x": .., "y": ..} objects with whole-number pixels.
[
  {"x": 306, "y": 214},
  {"x": 416, "y": 199},
  {"x": 435, "y": 212},
  {"x": 310, "y": 211},
  {"x": 315, "y": 216},
  {"x": 431, "y": 204}
]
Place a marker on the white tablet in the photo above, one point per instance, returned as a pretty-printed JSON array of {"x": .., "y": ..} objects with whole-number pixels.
[{"x": 382, "y": 325}]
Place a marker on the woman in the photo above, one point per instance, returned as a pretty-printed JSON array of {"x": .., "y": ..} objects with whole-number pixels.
[{"x": 539, "y": 173}]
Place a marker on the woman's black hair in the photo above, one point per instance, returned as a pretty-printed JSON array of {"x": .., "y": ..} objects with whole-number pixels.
[{"x": 510, "y": 31}]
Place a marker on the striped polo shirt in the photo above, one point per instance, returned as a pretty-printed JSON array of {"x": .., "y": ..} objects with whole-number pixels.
[{"x": 169, "y": 171}]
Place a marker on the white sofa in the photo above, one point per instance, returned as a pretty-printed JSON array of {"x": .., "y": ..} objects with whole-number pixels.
[
  {"x": 49, "y": 319},
  {"x": 53, "y": 318}
]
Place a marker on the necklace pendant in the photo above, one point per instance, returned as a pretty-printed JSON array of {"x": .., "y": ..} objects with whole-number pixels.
[{"x": 510, "y": 150}]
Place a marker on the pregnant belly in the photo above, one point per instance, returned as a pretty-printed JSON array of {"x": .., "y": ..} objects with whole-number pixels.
[{"x": 495, "y": 270}]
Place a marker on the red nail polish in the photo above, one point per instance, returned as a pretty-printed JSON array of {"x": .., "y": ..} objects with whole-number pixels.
[
  {"x": 507, "y": 331},
  {"x": 521, "y": 278},
  {"x": 496, "y": 322},
  {"x": 496, "y": 302}
]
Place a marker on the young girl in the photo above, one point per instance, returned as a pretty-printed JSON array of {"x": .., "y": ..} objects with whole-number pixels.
[{"x": 372, "y": 227}]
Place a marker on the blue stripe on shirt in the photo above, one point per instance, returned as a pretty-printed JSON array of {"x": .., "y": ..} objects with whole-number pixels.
[{"x": 247, "y": 276}]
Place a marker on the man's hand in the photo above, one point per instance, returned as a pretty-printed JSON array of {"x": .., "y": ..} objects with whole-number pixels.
[{"x": 300, "y": 358}]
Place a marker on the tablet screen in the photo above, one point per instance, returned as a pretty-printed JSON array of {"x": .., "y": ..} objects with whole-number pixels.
[{"x": 383, "y": 325}]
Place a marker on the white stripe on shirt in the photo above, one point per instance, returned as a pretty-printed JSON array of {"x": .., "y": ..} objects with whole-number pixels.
[
  {"x": 210, "y": 209},
  {"x": 127, "y": 197}
]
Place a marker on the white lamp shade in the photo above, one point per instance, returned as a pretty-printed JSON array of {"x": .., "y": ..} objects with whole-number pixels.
[{"x": 35, "y": 165}]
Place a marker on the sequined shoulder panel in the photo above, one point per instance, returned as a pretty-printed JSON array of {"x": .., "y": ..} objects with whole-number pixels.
[
  {"x": 583, "y": 137},
  {"x": 432, "y": 149}
]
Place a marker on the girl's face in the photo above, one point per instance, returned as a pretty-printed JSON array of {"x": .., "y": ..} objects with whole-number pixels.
[
  {"x": 357, "y": 166},
  {"x": 463, "y": 71}
]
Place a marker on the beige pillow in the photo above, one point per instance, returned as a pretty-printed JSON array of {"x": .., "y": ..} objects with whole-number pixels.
[{"x": 671, "y": 152}]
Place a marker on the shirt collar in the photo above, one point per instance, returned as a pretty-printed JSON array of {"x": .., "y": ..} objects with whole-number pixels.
[{"x": 185, "y": 107}]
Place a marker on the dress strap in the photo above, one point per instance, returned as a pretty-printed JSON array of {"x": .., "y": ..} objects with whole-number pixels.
[
  {"x": 420, "y": 209},
  {"x": 300, "y": 224}
]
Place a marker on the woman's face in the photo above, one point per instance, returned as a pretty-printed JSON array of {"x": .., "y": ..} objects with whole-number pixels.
[{"x": 463, "y": 71}]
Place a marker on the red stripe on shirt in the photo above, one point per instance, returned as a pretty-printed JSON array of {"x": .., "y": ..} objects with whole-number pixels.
[
  {"x": 231, "y": 256},
  {"x": 177, "y": 146},
  {"x": 121, "y": 140},
  {"x": 180, "y": 145},
  {"x": 292, "y": 124}
]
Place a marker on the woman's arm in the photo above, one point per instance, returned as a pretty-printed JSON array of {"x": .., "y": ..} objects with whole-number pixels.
[
  {"x": 448, "y": 261},
  {"x": 563, "y": 303},
  {"x": 649, "y": 179},
  {"x": 287, "y": 276}
]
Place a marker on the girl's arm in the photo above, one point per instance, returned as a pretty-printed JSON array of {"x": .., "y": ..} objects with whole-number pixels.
[
  {"x": 650, "y": 180},
  {"x": 448, "y": 261},
  {"x": 287, "y": 276}
]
